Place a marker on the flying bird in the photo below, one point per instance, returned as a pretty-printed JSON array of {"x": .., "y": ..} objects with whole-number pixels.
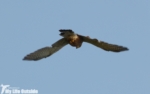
[{"x": 75, "y": 40}]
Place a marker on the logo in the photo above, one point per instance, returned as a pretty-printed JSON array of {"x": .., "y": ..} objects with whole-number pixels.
[{"x": 6, "y": 89}]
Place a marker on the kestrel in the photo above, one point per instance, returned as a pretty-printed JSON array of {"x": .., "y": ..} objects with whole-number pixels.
[{"x": 75, "y": 40}]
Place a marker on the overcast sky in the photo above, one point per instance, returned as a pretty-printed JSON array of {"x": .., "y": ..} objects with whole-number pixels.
[{"x": 27, "y": 25}]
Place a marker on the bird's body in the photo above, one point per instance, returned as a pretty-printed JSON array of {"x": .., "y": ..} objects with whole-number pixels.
[
  {"x": 72, "y": 38},
  {"x": 75, "y": 40}
]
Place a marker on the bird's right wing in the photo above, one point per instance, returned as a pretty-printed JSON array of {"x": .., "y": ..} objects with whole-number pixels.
[
  {"x": 104, "y": 45},
  {"x": 46, "y": 51}
]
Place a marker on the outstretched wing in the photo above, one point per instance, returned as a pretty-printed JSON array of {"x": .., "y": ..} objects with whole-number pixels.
[
  {"x": 104, "y": 45},
  {"x": 46, "y": 51}
]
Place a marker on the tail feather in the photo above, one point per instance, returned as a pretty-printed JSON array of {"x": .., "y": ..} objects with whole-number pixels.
[
  {"x": 61, "y": 34},
  {"x": 66, "y": 32}
]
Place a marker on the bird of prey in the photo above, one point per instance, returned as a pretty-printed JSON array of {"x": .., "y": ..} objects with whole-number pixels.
[{"x": 75, "y": 40}]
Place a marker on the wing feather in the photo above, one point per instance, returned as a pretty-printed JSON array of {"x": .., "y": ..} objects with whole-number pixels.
[
  {"x": 46, "y": 51},
  {"x": 104, "y": 45}
]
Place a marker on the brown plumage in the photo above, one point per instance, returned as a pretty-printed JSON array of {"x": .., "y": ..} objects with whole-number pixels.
[{"x": 75, "y": 40}]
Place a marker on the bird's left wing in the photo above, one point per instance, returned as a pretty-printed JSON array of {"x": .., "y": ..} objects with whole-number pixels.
[
  {"x": 104, "y": 45},
  {"x": 46, "y": 51}
]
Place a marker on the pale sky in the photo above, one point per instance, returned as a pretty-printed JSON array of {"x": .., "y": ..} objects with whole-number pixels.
[{"x": 27, "y": 25}]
